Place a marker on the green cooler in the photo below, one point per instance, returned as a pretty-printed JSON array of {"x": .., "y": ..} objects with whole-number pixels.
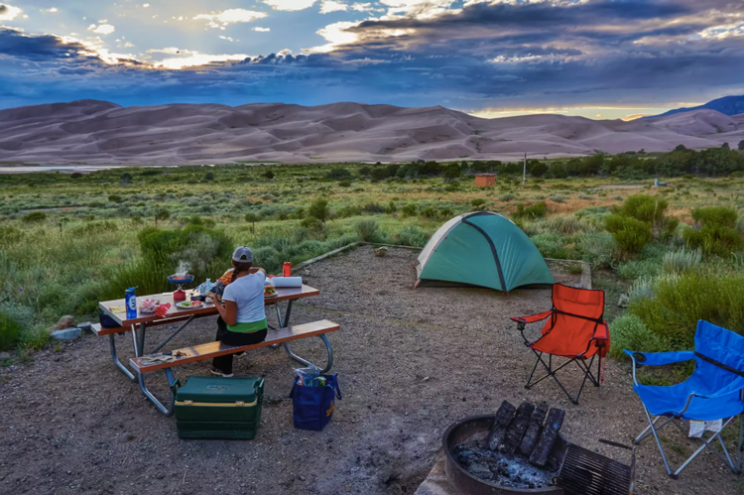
[{"x": 216, "y": 407}]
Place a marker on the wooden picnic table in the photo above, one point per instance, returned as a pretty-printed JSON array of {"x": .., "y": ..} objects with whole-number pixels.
[{"x": 117, "y": 311}]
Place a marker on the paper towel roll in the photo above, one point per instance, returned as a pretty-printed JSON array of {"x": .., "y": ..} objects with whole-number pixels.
[{"x": 287, "y": 282}]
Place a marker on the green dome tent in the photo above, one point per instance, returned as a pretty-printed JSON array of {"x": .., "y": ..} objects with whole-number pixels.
[{"x": 484, "y": 249}]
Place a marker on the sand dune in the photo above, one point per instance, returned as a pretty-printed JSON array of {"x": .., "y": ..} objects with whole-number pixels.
[{"x": 98, "y": 132}]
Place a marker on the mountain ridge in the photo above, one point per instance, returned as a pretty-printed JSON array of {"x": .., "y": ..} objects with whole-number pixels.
[{"x": 727, "y": 105}]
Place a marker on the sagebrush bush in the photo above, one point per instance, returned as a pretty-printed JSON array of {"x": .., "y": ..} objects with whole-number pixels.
[
  {"x": 557, "y": 198},
  {"x": 408, "y": 210},
  {"x": 717, "y": 235},
  {"x": 638, "y": 268},
  {"x": 566, "y": 225},
  {"x": 367, "y": 230},
  {"x": 597, "y": 249},
  {"x": 411, "y": 236},
  {"x": 550, "y": 246},
  {"x": 681, "y": 261},
  {"x": 629, "y": 332},
  {"x": 630, "y": 234},
  {"x": 34, "y": 216},
  {"x": 508, "y": 197},
  {"x": 641, "y": 288},
  {"x": 537, "y": 210}
]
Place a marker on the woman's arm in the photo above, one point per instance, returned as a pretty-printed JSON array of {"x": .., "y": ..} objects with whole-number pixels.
[{"x": 228, "y": 312}]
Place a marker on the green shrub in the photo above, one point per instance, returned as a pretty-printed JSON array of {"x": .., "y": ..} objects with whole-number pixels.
[
  {"x": 428, "y": 213},
  {"x": 349, "y": 211},
  {"x": 312, "y": 224},
  {"x": 10, "y": 235},
  {"x": 344, "y": 183},
  {"x": 367, "y": 230},
  {"x": 115, "y": 198},
  {"x": 641, "y": 288},
  {"x": 557, "y": 198},
  {"x": 630, "y": 234},
  {"x": 268, "y": 258},
  {"x": 10, "y": 330},
  {"x": 251, "y": 217},
  {"x": 681, "y": 261},
  {"x": 319, "y": 209},
  {"x": 629, "y": 332},
  {"x": 585, "y": 196},
  {"x": 149, "y": 278},
  {"x": 566, "y": 225},
  {"x": 374, "y": 208},
  {"x": 34, "y": 216},
  {"x": 508, "y": 197},
  {"x": 716, "y": 216},
  {"x": 391, "y": 208},
  {"x": 338, "y": 173},
  {"x": 478, "y": 204},
  {"x": 411, "y": 236},
  {"x": 537, "y": 210},
  {"x": 714, "y": 240},
  {"x": 679, "y": 302},
  {"x": 408, "y": 210}
]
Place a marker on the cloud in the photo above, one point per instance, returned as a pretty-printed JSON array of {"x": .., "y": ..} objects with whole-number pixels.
[
  {"x": 289, "y": 5},
  {"x": 232, "y": 16},
  {"x": 103, "y": 29},
  {"x": 8, "y": 12},
  {"x": 328, "y": 6},
  {"x": 262, "y": 29},
  {"x": 51, "y": 10}
]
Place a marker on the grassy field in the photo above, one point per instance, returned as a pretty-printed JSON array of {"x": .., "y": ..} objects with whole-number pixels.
[{"x": 67, "y": 241}]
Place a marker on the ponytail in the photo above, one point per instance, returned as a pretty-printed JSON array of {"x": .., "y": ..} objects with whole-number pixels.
[{"x": 240, "y": 266}]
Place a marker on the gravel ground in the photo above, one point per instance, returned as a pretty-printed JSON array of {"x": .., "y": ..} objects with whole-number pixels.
[{"x": 410, "y": 363}]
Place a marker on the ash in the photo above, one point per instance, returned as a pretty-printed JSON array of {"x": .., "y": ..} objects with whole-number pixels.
[{"x": 509, "y": 471}]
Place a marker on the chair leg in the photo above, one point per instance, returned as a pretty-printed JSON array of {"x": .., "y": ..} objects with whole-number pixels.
[
  {"x": 551, "y": 373},
  {"x": 725, "y": 457}
]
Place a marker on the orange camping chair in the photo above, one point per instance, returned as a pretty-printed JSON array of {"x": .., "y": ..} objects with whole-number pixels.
[{"x": 574, "y": 330}]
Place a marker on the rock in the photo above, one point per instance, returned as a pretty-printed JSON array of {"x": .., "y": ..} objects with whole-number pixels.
[
  {"x": 381, "y": 251},
  {"x": 67, "y": 334},
  {"x": 64, "y": 322},
  {"x": 623, "y": 301}
]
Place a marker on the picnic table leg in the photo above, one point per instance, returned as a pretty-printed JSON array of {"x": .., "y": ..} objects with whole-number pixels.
[
  {"x": 115, "y": 357},
  {"x": 304, "y": 361},
  {"x": 167, "y": 410}
]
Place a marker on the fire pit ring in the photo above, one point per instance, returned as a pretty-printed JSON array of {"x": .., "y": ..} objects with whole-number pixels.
[{"x": 477, "y": 428}]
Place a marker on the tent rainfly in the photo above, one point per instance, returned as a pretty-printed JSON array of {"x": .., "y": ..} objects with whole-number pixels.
[{"x": 484, "y": 249}]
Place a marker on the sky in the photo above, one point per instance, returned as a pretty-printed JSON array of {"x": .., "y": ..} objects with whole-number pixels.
[{"x": 602, "y": 59}]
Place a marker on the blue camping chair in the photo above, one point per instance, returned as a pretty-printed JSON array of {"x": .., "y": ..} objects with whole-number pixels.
[{"x": 714, "y": 391}]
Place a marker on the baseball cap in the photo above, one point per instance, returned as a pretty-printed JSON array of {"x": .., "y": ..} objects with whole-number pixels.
[{"x": 242, "y": 254}]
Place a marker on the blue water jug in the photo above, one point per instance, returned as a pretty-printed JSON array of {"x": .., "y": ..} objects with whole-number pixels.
[{"x": 130, "y": 300}]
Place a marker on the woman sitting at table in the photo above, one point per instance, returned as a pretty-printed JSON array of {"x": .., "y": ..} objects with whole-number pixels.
[{"x": 242, "y": 318}]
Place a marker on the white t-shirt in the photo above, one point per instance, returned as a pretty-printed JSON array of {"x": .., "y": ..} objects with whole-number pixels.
[{"x": 247, "y": 293}]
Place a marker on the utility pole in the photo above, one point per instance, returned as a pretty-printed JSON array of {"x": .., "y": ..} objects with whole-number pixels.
[{"x": 524, "y": 171}]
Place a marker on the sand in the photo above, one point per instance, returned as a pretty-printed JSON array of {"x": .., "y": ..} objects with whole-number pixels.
[{"x": 96, "y": 132}]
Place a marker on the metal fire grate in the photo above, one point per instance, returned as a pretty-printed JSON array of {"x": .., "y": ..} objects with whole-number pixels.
[{"x": 587, "y": 473}]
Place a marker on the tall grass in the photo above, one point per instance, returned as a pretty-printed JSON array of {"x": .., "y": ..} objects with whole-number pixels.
[{"x": 682, "y": 261}]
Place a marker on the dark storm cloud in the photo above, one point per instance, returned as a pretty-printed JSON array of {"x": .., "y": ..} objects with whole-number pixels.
[
  {"x": 3, "y": 9},
  {"x": 15, "y": 44},
  {"x": 598, "y": 52}
]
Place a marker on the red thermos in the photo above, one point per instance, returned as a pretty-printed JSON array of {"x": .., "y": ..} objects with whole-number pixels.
[{"x": 287, "y": 270}]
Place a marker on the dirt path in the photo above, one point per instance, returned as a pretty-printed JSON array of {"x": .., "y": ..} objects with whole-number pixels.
[{"x": 410, "y": 362}]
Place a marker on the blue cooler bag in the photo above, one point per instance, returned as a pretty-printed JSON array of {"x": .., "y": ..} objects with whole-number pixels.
[{"x": 313, "y": 406}]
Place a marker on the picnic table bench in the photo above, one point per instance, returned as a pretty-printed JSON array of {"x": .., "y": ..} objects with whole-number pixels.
[{"x": 280, "y": 335}]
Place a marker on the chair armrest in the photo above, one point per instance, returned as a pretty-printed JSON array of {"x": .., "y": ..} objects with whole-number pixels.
[
  {"x": 532, "y": 318},
  {"x": 602, "y": 332},
  {"x": 659, "y": 358}
]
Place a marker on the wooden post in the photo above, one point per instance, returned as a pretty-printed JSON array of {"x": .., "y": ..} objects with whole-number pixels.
[{"x": 524, "y": 170}]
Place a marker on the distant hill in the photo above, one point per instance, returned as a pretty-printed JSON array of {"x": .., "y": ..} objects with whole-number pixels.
[
  {"x": 98, "y": 132},
  {"x": 728, "y": 105}
]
